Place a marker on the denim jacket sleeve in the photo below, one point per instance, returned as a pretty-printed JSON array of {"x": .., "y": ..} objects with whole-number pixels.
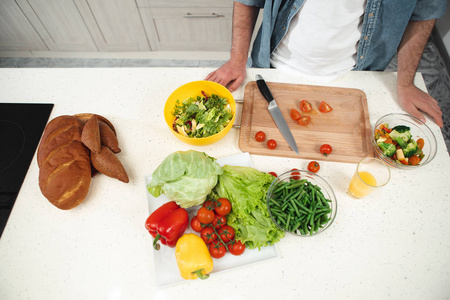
[
  {"x": 427, "y": 10},
  {"x": 383, "y": 27}
]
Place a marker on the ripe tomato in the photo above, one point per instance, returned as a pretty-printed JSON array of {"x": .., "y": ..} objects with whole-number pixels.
[
  {"x": 295, "y": 173},
  {"x": 271, "y": 144},
  {"x": 205, "y": 215},
  {"x": 223, "y": 207},
  {"x": 219, "y": 221},
  {"x": 295, "y": 114},
  {"x": 420, "y": 143},
  {"x": 313, "y": 166},
  {"x": 226, "y": 233},
  {"x": 217, "y": 249},
  {"x": 304, "y": 120},
  {"x": 414, "y": 160},
  {"x": 324, "y": 107},
  {"x": 305, "y": 106},
  {"x": 210, "y": 204},
  {"x": 260, "y": 136},
  {"x": 273, "y": 174},
  {"x": 196, "y": 225},
  {"x": 236, "y": 247},
  {"x": 208, "y": 235},
  {"x": 326, "y": 149}
]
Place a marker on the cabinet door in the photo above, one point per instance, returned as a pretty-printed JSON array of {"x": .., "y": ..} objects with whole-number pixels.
[
  {"x": 205, "y": 29},
  {"x": 16, "y": 32},
  {"x": 59, "y": 23},
  {"x": 115, "y": 24}
]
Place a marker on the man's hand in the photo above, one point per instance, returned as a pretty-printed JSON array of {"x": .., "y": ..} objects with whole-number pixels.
[
  {"x": 416, "y": 101},
  {"x": 230, "y": 75},
  {"x": 411, "y": 98}
]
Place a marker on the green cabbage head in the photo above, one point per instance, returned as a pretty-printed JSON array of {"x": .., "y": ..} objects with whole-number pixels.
[{"x": 185, "y": 177}]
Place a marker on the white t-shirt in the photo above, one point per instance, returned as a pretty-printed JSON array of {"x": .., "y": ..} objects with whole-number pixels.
[{"x": 322, "y": 39}]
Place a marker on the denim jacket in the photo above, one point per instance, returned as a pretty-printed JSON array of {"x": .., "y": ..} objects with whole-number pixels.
[{"x": 382, "y": 29}]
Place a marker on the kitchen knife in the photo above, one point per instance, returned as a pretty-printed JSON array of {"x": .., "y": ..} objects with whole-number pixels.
[{"x": 276, "y": 113}]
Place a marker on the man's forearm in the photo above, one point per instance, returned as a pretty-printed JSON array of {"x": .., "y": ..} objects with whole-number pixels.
[
  {"x": 411, "y": 49},
  {"x": 244, "y": 19}
]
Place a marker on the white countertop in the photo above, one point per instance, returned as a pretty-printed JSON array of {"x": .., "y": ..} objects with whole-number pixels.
[{"x": 394, "y": 244}]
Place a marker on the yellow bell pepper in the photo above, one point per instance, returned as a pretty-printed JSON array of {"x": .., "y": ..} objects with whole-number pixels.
[{"x": 193, "y": 258}]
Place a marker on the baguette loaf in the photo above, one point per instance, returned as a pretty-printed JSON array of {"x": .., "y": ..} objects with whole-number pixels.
[{"x": 64, "y": 163}]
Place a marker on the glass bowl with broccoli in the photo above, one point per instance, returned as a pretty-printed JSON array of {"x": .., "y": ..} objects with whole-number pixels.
[{"x": 403, "y": 141}]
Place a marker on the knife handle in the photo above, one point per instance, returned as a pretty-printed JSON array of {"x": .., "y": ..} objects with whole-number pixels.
[{"x": 263, "y": 88}]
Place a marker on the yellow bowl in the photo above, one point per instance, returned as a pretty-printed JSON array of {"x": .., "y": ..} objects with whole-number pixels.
[{"x": 194, "y": 89}]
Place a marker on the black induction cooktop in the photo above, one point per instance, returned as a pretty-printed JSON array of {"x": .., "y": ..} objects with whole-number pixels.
[{"x": 21, "y": 128}]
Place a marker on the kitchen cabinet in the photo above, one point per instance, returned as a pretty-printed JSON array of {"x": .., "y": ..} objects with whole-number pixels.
[
  {"x": 188, "y": 25},
  {"x": 59, "y": 24},
  {"x": 192, "y": 29},
  {"x": 16, "y": 31},
  {"x": 115, "y": 25}
]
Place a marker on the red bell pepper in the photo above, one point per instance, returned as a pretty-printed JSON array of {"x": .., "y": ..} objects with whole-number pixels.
[{"x": 167, "y": 224}]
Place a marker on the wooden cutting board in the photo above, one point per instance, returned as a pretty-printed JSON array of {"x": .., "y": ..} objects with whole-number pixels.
[{"x": 346, "y": 128}]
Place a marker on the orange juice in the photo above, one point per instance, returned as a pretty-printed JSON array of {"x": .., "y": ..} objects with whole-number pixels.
[{"x": 362, "y": 184}]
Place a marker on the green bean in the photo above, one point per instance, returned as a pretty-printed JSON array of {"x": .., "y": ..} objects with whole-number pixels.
[{"x": 299, "y": 206}]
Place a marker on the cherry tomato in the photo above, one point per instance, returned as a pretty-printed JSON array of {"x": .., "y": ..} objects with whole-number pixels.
[
  {"x": 414, "y": 160},
  {"x": 210, "y": 204},
  {"x": 208, "y": 235},
  {"x": 260, "y": 136},
  {"x": 305, "y": 106},
  {"x": 326, "y": 149},
  {"x": 295, "y": 114},
  {"x": 205, "y": 215},
  {"x": 196, "y": 225},
  {"x": 219, "y": 221},
  {"x": 324, "y": 107},
  {"x": 217, "y": 249},
  {"x": 304, "y": 120},
  {"x": 236, "y": 247},
  {"x": 226, "y": 233},
  {"x": 223, "y": 207},
  {"x": 296, "y": 174},
  {"x": 271, "y": 144},
  {"x": 313, "y": 166},
  {"x": 273, "y": 174},
  {"x": 420, "y": 143}
]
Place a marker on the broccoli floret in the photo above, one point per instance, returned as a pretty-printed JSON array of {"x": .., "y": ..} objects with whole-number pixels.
[
  {"x": 410, "y": 149},
  {"x": 401, "y": 128},
  {"x": 387, "y": 149},
  {"x": 401, "y": 142},
  {"x": 404, "y": 135}
]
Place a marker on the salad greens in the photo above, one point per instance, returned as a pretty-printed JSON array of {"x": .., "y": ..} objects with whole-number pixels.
[
  {"x": 201, "y": 116},
  {"x": 185, "y": 177},
  {"x": 246, "y": 188}
]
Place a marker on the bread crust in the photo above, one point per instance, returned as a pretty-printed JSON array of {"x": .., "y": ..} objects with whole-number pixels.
[
  {"x": 106, "y": 162},
  {"x": 58, "y": 133},
  {"x": 65, "y": 157},
  {"x": 65, "y": 178}
]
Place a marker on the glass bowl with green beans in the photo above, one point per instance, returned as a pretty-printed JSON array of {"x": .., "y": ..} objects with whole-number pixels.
[{"x": 301, "y": 203}]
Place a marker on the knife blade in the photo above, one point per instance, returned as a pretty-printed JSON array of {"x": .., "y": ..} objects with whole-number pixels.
[{"x": 276, "y": 113}]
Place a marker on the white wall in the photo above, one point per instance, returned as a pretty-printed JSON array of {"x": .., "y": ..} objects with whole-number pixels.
[{"x": 443, "y": 27}]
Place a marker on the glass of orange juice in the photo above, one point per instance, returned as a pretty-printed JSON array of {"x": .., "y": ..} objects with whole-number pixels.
[{"x": 371, "y": 174}]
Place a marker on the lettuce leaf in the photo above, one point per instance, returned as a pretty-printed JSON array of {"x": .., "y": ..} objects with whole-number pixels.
[
  {"x": 185, "y": 177},
  {"x": 246, "y": 188}
]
